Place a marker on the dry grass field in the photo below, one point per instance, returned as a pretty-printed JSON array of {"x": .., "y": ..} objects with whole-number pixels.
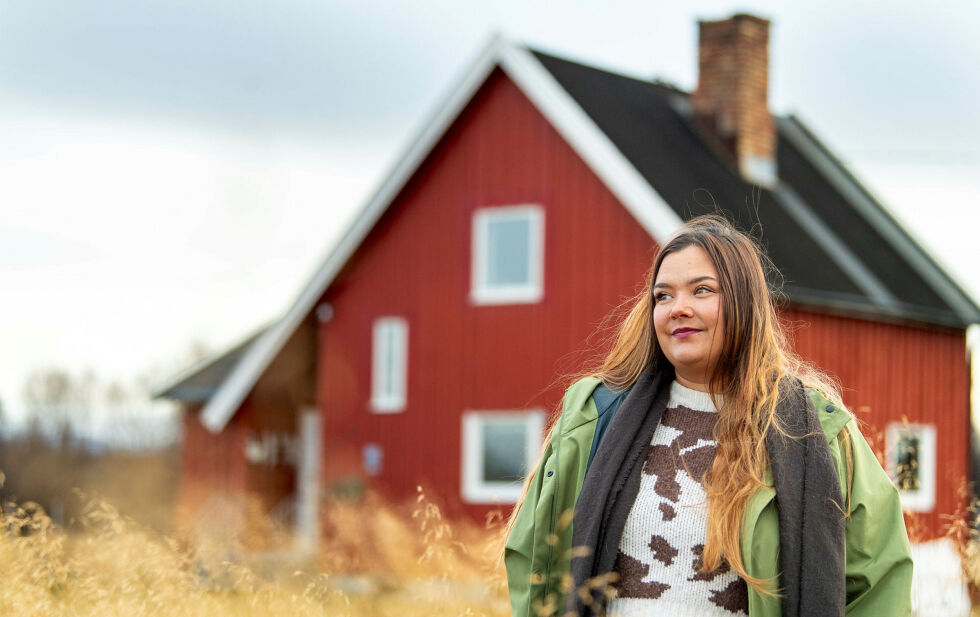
[
  {"x": 141, "y": 485},
  {"x": 128, "y": 559},
  {"x": 377, "y": 561}
]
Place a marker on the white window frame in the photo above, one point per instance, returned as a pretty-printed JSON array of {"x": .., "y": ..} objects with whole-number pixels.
[
  {"x": 474, "y": 489},
  {"x": 922, "y": 499},
  {"x": 481, "y": 292},
  {"x": 393, "y": 401}
]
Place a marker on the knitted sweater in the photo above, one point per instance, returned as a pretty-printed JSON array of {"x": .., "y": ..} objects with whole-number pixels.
[{"x": 660, "y": 550}]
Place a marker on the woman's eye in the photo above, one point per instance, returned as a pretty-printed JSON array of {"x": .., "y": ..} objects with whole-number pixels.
[
  {"x": 702, "y": 288},
  {"x": 660, "y": 296}
]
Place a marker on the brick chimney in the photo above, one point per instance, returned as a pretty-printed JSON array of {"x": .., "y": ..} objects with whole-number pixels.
[{"x": 731, "y": 100}]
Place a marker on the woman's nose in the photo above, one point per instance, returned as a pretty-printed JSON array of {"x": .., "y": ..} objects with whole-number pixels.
[{"x": 681, "y": 308}]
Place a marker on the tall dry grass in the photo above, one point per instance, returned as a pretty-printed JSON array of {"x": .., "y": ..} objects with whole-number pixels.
[
  {"x": 139, "y": 484},
  {"x": 375, "y": 560}
]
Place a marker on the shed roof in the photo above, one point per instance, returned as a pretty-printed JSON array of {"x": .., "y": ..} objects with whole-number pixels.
[{"x": 199, "y": 383}]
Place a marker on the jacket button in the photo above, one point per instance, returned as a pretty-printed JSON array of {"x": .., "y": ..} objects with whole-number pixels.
[
  {"x": 550, "y": 473},
  {"x": 831, "y": 408}
]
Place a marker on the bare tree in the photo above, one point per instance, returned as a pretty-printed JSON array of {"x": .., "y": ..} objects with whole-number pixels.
[
  {"x": 57, "y": 403},
  {"x": 136, "y": 421}
]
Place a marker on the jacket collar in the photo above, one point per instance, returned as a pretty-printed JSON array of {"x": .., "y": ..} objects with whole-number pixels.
[{"x": 811, "y": 525}]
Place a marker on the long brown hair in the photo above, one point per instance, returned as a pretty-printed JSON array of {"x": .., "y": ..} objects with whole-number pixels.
[{"x": 755, "y": 358}]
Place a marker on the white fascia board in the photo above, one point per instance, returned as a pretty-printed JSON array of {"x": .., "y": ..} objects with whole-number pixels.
[
  {"x": 878, "y": 216},
  {"x": 590, "y": 143},
  {"x": 233, "y": 391}
]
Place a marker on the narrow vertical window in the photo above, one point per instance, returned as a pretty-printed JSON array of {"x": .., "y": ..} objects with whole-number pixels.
[
  {"x": 389, "y": 365},
  {"x": 499, "y": 448},
  {"x": 911, "y": 454},
  {"x": 508, "y": 255}
]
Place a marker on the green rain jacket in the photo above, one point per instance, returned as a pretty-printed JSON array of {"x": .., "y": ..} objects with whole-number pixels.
[{"x": 878, "y": 560}]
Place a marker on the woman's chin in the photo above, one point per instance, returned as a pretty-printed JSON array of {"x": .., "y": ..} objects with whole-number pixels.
[{"x": 687, "y": 363}]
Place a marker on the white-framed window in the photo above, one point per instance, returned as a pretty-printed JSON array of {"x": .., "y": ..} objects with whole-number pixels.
[
  {"x": 911, "y": 453},
  {"x": 508, "y": 255},
  {"x": 389, "y": 364},
  {"x": 499, "y": 448}
]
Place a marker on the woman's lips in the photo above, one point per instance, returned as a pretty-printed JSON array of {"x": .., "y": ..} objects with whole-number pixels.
[{"x": 685, "y": 332}]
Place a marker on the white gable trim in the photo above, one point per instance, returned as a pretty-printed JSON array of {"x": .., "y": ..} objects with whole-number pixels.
[
  {"x": 561, "y": 111},
  {"x": 590, "y": 143},
  {"x": 230, "y": 394}
]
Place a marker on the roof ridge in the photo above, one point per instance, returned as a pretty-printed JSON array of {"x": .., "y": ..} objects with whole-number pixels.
[{"x": 656, "y": 81}]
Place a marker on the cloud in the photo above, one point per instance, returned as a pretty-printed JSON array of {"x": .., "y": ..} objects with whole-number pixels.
[{"x": 251, "y": 65}]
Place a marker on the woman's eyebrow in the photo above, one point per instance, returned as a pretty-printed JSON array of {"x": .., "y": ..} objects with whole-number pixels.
[{"x": 694, "y": 280}]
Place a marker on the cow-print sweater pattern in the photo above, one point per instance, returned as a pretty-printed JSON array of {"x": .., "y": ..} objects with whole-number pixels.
[{"x": 659, "y": 556}]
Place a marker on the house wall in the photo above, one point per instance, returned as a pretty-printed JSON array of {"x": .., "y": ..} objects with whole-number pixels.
[
  {"x": 212, "y": 469},
  {"x": 895, "y": 373},
  {"x": 226, "y": 494},
  {"x": 213, "y": 458},
  {"x": 246, "y": 473},
  {"x": 416, "y": 264}
]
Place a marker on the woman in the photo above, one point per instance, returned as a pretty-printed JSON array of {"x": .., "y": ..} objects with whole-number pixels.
[{"x": 705, "y": 469}]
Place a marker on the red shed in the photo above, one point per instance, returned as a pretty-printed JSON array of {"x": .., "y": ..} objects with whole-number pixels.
[{"x": 432, "y": 340}]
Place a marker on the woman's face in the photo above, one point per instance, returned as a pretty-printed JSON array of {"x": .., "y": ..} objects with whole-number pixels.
[{"x": 687, "y": 315}]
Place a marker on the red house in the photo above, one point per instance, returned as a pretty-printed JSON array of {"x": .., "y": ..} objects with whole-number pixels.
[{"x": 428, "y": 347}]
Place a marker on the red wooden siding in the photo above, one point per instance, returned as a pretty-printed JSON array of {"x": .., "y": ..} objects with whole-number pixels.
[
  {"x": 416, "y": 264},
  {"x": 218, "y": 458},
  {"x": 214, "y": 464},
  {"x": 890, "y": 372},
  {"x": 216, "y": 475}
]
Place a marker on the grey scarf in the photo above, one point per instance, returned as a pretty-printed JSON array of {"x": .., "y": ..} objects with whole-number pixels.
[{"x": 811, "y": 526}]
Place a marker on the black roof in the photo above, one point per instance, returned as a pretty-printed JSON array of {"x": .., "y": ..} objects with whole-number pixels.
[
  {"x": 653, "y": 127},
  {"x": 203, "y": 380}
]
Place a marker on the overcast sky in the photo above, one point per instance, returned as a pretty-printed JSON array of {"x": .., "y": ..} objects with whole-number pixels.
[{"x": 174, "y": 171}]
